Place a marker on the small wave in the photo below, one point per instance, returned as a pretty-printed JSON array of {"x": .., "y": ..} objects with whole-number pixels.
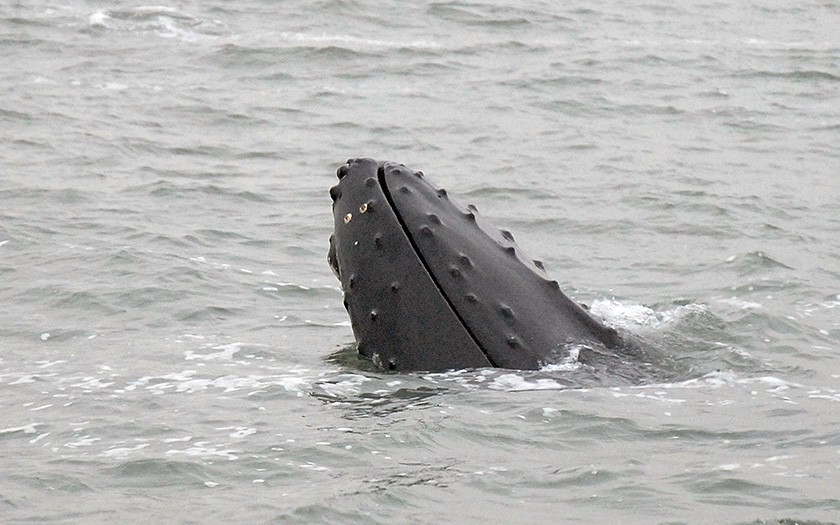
[
  {"x": 163, "y": 21},
  {"x": 352, "y": 42},
  {"x": 755, "y": 262},
  {"x": 461, "y": 14},
  {"x": 801, "y": 75},
  {"x": 8, "y": 114}
]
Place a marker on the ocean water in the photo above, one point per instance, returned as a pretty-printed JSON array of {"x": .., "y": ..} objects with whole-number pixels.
[{"x": 173, "y": 345}]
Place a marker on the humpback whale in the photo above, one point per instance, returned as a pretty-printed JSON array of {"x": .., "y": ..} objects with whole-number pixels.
[{"x": 431, "y": 285}]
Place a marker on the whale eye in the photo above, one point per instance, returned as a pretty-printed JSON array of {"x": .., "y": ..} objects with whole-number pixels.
[{"x": 348, "y": 218}]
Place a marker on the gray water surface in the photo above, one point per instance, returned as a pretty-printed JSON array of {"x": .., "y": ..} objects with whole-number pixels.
[{"x": 173, "y": 346}]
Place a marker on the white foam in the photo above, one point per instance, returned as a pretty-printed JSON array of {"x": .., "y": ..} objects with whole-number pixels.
[
  {"x": 177, "y": 440},
  {"x": 202, "y": 451},
  {"x": 517, "y": 383},
  {"x": 349, "y": 386},
  {"x": 167, "y": 28},
  {"x": 569, "y": 363},
  {"x": 226, "y": 383},
  {"x": 741, "y": 304},
  {"x": 634, "y": 317},
  {"x": 294, "y": 285},
  {"x": 26, "y": 429},
  {"x": 24, "y": 379},
  {"x": 39, "y": 437},
  {"x": 99, "y": 18},
  {"x": 623, "y": 315},
  {"x": 239, "y": 432},
  {"x": 225, "y": 353},
  {"x": 155, "y": 9},
  {"x": 163, "y": 21},
  {"x": 83, "y": 441},
  {"x": 312, "y": 466},
  {"x": 122, "y": 452},
  {"x": 145, "y": 380},
  {"x": 829, "y": 305},
  {"x": 297, "y": 382},
  {"x": 92, "y": 383},
  {"x": 47, "y": 364},
  {"x": 719, "y": 378}
]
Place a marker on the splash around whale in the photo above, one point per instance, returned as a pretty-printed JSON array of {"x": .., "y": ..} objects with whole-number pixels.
[{"x": 431, "y": 285}]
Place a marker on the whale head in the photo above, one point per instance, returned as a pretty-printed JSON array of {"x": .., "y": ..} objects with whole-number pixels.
[{"x": 431, "y": 285}]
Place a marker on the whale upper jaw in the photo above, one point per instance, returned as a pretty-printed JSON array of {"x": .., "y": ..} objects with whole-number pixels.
[{"x": 430, "y": 285}]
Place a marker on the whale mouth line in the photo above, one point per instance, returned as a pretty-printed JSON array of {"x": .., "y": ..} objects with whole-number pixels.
[{"x": 380, "y": 175}]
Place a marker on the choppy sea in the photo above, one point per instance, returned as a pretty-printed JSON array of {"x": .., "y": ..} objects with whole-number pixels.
[{"x": 173, "y": 345}]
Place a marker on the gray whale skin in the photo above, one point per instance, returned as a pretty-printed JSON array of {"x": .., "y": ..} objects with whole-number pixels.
[{"x": 433, "y": 286}]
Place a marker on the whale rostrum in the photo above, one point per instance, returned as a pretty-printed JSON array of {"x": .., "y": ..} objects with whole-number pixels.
[{"x": 430, "y": 285}]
